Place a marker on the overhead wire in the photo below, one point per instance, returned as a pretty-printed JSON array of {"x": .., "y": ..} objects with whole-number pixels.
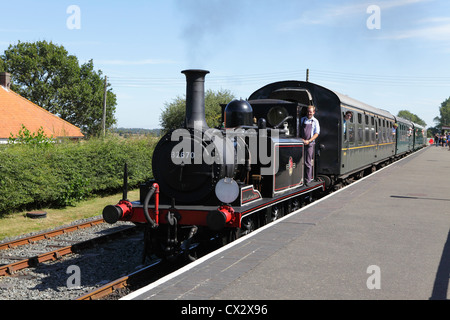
[
  {"x": 391, "y": 80},
  {"x": 316, "y": 76},
  {"x": 213, "y": 79}
]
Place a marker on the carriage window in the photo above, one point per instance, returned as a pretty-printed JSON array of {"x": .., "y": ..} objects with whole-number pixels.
[
  {"x": 347, "y": 120},
  {"x": 359, "y": 118},
  {"x": 366, "y": 129},
  {"x": 372, "y": 129},
  {"x": 390, "y": 135},
  {"x": 351, "y": 134},
  {"x": 360, "y": 135}
]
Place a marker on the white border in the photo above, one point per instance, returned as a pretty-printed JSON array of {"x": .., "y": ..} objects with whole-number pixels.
[{"x": 193, "y": 264}]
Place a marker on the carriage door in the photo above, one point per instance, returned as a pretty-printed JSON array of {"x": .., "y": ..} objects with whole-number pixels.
[
  {"x": 347, "y": 138},
  {"x": 377, "y": 136}
]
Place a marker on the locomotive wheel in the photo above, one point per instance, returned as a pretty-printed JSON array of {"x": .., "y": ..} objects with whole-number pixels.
[
  {"x": 225, "y": 237},
  {"x": 248, "y": 225},
  {"x": 276, "y": 213},
  {"x": 295, "y": 205},
  {"x": 229, "y": 235}
]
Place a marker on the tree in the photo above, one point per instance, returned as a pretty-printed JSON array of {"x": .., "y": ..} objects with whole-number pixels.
[
  {"x": 174, "y": 113},
  {"x": 411, "y": 117},
  {"x": 47, "y": 75},
  {"x": 444, "y": 111}
]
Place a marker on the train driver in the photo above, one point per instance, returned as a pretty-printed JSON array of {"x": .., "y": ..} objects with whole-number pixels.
[{"x": 310, "y": 130}]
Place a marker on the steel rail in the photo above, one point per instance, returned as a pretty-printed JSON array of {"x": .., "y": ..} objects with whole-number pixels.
[
  {"x": 122, "y": 282},
  {"x": 9, "y": 269},
  {"x": 49, "y": 234}
]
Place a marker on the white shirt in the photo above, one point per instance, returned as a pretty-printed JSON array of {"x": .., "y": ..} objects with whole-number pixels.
[{"x": 315, "y": 125}]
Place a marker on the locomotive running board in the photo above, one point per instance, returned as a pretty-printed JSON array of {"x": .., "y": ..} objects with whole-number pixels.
[{"x": 267, "y": 202}]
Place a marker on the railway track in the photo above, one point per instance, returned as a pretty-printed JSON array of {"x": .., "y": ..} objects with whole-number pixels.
[
  {"x": 123, "y": 285},
  {"x": 49, "y": 234},
  {"x": 152, "y": 272},
  {"x": 11, "y": 268},
  {"x": 45, "y": 275},
  {"x": 33, "y": 261}
]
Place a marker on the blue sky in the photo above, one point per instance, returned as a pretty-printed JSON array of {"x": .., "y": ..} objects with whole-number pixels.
[{"x": 142, "y": 46}]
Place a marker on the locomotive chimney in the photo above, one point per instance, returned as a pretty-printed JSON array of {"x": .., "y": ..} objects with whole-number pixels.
[
  {"x": 5, "y": 79},
  {"x": 195, "y": 98}
]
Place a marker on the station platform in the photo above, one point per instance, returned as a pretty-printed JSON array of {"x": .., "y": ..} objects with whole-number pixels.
[{"x": 384, "y": 237}]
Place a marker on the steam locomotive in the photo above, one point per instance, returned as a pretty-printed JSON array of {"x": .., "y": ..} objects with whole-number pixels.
[{"x": 225, "y": 182}]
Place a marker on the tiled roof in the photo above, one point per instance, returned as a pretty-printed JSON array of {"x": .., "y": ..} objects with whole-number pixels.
[{"x": 16, "y": 111}]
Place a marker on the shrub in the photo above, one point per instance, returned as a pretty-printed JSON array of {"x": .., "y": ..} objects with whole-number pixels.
[{"x": 59, "y": 175}]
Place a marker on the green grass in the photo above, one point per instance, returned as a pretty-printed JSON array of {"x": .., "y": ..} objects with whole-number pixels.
[{"x": 17, "y": 224}]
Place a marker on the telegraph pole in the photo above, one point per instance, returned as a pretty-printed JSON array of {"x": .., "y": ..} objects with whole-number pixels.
[
  {"x": 307, "y": 75},
  {"x": 104, "y": 108}
]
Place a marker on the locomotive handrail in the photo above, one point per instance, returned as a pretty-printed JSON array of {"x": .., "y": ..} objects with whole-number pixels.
[
  {"x": 153, "y": 190},
  {"x": 282, "y": 121}
]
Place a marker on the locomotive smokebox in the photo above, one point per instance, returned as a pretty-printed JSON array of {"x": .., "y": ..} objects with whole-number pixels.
[{"x": 195, "y": 98}]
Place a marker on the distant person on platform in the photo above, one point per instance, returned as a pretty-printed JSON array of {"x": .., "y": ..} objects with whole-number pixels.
[{"x": 310, "y": 130}]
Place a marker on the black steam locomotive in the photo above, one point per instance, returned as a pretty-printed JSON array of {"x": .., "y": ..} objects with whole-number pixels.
[{"x": 225, "y": 182}]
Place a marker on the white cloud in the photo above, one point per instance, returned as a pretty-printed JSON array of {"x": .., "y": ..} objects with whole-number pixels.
[
  {"x": 436, "y": 33},
  {"x": 399, "y": 3},
  {"x": 331, "y": 13},
  {"x": 433, "y": 28},
  {"x": 435, "y": 20}
]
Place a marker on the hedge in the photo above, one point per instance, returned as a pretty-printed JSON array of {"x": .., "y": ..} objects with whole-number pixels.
[{"x": 58, "y": 175}]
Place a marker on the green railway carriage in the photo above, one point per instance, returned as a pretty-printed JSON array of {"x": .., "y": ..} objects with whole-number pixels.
[
  {"x": 345, "y": 148},
  {"x": 367, "y": 138},
  {"x": 420, "y": 136},
  {"x": 404, "y": 136}
]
